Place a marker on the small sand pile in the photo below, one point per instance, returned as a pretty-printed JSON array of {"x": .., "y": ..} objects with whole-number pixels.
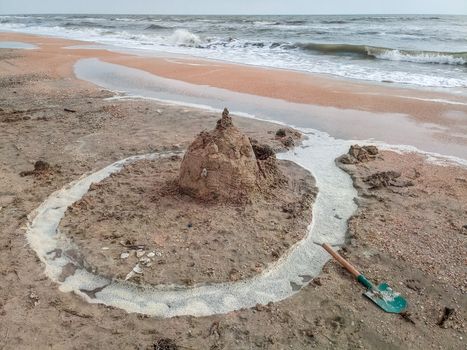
[
  {"x": 41, "y": 168},
  {"x": 222, "y": 164},
  {"x": 386, "y": 179},
  {"x": 288, "y": 136},
  {"x": 359, "y": 154}
]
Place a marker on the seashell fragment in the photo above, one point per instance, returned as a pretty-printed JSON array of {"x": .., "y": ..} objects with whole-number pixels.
[
  {"x": 138, "y": 269},
  {"x": 145, "y": 260},
  {"x": 130, "y": 274}
]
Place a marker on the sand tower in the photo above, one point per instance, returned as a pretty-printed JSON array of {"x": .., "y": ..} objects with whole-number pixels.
[{"x": 219, "y": 164}]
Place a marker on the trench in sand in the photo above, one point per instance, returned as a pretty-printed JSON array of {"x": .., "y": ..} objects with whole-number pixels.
[{"x": 331, "y": 210}]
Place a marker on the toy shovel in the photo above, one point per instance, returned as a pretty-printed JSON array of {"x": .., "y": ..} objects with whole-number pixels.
[{"x": 382, "y": 295}]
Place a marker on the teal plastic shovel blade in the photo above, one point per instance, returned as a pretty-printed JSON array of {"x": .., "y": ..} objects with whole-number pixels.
[{"x": 386, "y": 298}]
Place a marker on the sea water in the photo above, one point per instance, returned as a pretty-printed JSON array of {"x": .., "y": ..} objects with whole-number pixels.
[{"x": 417, "y": 50}]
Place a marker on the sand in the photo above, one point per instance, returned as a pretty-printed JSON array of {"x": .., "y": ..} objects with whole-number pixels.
[
  {"x": 412, "y": 236},
  {"x": 140, "y": 211},
  {"x": 321, "y": 90},
  {"x": 397, "y": 189}
]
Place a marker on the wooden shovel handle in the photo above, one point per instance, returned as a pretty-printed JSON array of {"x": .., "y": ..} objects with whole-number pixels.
[{"x": 341, "y": 260}]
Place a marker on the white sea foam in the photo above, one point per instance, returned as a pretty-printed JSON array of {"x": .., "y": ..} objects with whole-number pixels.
[
  {"x": 422, "y": 57},
  {"x": 183, "y": 37}
]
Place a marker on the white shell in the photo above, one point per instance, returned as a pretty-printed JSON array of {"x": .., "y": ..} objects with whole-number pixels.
[
  {"x": 124, "y": 255},
  {"x": 151, "y": 255},
  {"x": 138, "y": 269},
  {"x": 140, "y": 253},
  {"x": 145, "y": 260},
  {"x": 130, "y": 274}
]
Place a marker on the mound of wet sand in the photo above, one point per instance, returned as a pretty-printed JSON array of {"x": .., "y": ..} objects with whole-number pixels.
[
  {"x": 222, "y": 213},
  {"x": 41, "y": 168},
  {"x": 359, "y": 154},
  {"x": 288, "y": 137},
  {"x": 226, "y": 165},
  {"x": 220, "y": 164}
]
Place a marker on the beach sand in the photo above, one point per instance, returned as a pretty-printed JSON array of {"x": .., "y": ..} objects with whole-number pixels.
[
  {"x": 321, "y": 90},
  {"x": 430, "y": 120},
  {"x": 195, "y": 242},
  {"x": 413, "y": 236}
]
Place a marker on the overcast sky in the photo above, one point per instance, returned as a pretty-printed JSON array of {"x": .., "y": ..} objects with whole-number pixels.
[{"x": 235, "y": 6}]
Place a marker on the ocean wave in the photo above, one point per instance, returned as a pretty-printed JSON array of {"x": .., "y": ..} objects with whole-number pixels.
[
  {"x": 86, "y": 24},
  {"x": 342, "y": 49},
  {"x": 334, "y": 22},
  {"x": 155, "y": 27},
  {"x": 365, "y": 51},
  {"x": 241, "y": 44},
  {"x": 454, "y": 58},
  {"x": 182, "y": 37},
  {"x": 297, "y": 43},
  {"x": 296, "y": 22}
]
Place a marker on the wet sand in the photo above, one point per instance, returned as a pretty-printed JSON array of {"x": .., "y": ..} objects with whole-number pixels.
[
  {"x": 409, "y": 236},
  {"x": 141, "y": 205},
  {"x": 436, "y": 121}
]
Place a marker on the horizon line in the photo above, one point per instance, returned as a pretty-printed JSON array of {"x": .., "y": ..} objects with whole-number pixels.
[{"x": 231, "y": 14}]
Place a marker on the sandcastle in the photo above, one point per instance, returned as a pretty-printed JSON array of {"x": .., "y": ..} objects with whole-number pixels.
[
  {"x": 223, "y": 212},
  {"x": 220, "y": 164}
]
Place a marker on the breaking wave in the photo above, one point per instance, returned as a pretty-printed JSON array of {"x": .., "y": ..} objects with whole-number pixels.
[
  {"x": 417, "y": 56},
  {"x": 454, "y": 58},
  {"x": 183, "y": 37},
  {"x": 155, "y": 27},
  {"x": 427, "y": 50}
]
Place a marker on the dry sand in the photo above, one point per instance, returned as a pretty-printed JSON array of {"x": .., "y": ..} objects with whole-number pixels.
[{"x": 412, "y": 237}]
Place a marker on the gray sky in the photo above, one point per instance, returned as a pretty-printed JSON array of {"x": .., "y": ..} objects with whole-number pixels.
[{"x": 234, "y": 6}]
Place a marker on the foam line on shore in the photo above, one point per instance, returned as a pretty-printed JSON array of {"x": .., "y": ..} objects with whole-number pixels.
[
  {"x": 432, "y": 157},
  {"x": 391, "y": 128},
  {"x": 334, "y": 205}
]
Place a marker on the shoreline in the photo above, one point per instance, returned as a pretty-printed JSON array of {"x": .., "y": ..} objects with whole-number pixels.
[
  {"x": 342, "y": 108},
  {"x": 382, "y": 128},
  {"x": 169, "y": 68},
  {"x": 147, "y": 52},
  {"x": 197, "y": 60}
]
